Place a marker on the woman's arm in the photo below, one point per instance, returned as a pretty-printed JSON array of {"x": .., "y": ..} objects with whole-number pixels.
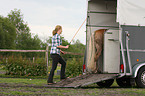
[{"x": 65, "y": 47}]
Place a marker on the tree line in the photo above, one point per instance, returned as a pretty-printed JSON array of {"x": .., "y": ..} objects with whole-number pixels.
[{"x": 15, "y": 34}]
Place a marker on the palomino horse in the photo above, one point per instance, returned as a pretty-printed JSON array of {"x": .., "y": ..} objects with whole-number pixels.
[
  {"x": 94, "y": 50},
  {"x": 99, "y": 42}
]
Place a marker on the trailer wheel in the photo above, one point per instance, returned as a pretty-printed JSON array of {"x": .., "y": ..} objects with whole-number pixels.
[
  {"x": 140, "y": 79},
  {"x": 124, "y": 82},
  {"x": 106, "y": 83}
]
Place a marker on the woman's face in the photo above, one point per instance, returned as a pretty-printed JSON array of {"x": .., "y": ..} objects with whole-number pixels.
[{"x": 60, "y": 31}]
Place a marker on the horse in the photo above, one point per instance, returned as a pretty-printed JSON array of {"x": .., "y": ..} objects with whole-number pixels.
[{"x": 99, "y": 43}]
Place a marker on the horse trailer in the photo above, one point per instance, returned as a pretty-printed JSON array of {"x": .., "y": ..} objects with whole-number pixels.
[
  {"x": 123, "y": 52},
  {"x": 124, "y": 41}
]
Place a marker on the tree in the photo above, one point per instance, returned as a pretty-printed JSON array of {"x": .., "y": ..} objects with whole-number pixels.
[
  {"x": 16, "y": 18},
  {"x": 23, "y": 36},
  {"x": 24, "y": 39},
  {"x": 7, "y": 34}
]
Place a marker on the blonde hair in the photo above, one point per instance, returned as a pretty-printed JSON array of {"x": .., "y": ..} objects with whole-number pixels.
[{"x": 58, "y": 27}]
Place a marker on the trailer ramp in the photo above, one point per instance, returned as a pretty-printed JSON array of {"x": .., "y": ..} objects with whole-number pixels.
[{"x": 83, "y": 80}]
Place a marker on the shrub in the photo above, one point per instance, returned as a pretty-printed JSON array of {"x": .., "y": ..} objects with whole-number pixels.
[
  {"x": 74, "y": 67},
  {"x": 24, "y": 67},
  {"x": 21, "y": 66}
]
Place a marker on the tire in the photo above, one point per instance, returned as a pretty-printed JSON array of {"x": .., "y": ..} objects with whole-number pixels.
[
  {"x": 140, "y": 79},
  {"x": 106, "y": 83},
  {"x": 124, "y": 82}
]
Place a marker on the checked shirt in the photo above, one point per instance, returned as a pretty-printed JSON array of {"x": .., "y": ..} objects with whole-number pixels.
[{"x": 56, "y": 41}]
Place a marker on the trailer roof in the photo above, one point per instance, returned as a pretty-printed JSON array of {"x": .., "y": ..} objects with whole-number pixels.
[{"x": 131, "y": 12}]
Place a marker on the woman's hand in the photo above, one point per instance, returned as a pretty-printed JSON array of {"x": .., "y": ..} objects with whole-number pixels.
[
  {"x": 62, "y": 52},
  {"x": 66, "y": 46}
]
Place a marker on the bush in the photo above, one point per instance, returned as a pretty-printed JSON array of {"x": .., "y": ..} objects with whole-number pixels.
[
  {"x": 21, "y": 66},
  {"x": 74, "y": 67},
  {"x": 24, "y": 67}
]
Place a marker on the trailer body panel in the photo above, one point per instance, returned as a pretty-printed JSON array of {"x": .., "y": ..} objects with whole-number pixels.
[{"x": 136, "y": 44}]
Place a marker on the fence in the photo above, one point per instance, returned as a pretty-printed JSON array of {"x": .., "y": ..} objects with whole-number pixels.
[{"x": 46, "y": 51}]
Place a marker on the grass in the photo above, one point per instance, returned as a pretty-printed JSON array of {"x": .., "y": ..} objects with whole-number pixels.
[
  {"x": 48, "y": 91},
  {"x": 73, "y": 92},
  {"x": 22, "y": 81},
  {"x": 16, "y": 93},
  {"x": 26, "y": 81},
  {"x": 90, "y": 90},
  {"x": 135, "y": 91}
]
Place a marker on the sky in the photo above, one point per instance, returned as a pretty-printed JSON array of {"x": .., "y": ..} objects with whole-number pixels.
[{"x": 43, "y": 15}]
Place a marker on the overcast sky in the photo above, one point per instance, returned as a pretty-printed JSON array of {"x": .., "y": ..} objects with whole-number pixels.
[{"x": 43, "y": 15}]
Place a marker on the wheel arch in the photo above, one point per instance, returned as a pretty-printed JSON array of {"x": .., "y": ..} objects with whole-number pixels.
[{"x": 136, "y": 69}]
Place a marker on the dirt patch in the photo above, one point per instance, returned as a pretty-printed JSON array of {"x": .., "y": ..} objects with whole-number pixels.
[{"x": 30, "y": 91}]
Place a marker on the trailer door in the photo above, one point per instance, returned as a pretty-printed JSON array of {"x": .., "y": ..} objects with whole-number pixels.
[{"x": 111, "y": 51}]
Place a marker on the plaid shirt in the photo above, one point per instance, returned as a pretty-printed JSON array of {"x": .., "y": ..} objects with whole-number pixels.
[{"x": 56, "y": 41}]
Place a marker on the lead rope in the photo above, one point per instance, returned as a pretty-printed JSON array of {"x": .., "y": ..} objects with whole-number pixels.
[{"x": 78, "y": 30}]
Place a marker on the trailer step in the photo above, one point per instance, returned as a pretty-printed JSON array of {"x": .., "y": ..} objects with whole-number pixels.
[{"x": 83, "y": 80}]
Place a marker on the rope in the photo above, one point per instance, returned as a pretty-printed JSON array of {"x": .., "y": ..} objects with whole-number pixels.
[{"x": 78, "y": 30}]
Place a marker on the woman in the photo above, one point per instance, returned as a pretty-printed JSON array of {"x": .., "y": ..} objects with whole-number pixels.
[{"x": 55, "y": 54}]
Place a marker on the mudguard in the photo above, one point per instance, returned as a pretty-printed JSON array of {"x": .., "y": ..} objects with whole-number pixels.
[{"x": 136, "y": 69}]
